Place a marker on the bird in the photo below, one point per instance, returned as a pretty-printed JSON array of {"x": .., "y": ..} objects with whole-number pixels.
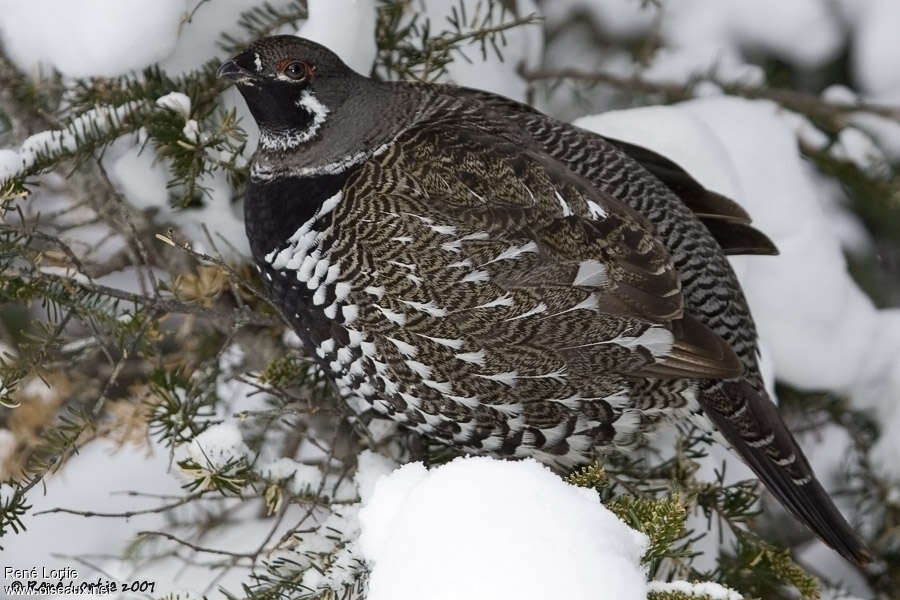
[{"x": 503, "y": 282}]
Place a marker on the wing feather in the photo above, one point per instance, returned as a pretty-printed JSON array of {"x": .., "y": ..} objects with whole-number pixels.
[
  {"x": 727, "y": 220},
  {"x": 512, "y": 251}
]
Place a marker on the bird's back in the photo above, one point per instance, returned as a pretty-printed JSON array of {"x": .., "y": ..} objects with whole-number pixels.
[{"x": 711, "y": 291}]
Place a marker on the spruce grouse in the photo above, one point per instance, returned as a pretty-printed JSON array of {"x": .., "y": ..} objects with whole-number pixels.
[{"x": 501, "y": 281}]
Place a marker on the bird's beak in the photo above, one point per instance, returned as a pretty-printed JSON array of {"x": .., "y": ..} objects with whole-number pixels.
[
  {"x": 241, "y": 77},
  {"x": 231, "y": 70}
]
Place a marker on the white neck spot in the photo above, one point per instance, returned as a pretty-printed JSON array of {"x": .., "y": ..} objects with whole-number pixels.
[
  {"x": 287, "y": 140},
  {"x": 311, "y": 104}
]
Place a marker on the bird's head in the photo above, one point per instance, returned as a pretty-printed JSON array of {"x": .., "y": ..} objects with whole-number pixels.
[{"x": 291, "y": 86}]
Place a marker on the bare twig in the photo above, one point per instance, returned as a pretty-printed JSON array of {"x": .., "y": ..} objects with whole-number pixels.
[
  {"x": 195, "y": 547},
  {"x": 802, "y": 102},
  {"x": 127, "y": 514}
]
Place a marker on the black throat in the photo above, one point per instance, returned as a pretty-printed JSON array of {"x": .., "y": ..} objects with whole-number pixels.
[
  {"x": 274, "y": 209},
  {"x": 276, "y": 107}
]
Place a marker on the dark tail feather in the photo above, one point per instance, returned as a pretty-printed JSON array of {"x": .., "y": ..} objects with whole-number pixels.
[
  {"x": 751, "y": 424},
  {"x": 705, "y": 203},
  {"x": 739, "y": 238}
]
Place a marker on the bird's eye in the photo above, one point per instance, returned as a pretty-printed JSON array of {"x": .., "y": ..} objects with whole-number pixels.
[{"x": 297, "y": 70}]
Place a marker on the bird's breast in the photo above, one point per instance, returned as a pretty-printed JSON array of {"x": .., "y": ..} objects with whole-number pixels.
[{"x": 286, "y": 219}]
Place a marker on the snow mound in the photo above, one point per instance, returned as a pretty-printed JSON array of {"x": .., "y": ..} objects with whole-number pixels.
[
  {"x": 701, "y": 37},
  {"x": 875, "y": 45},
  {"x": 769, "y": 25},
  {"x": 90, "y": 37},
  {"x": 479, "y": 528},
  {"x": 140, "y": 177},
  {"x": 371, "y": 467}
]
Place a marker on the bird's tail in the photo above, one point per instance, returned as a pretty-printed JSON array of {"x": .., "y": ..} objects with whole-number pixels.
[{"x": 751, "y": 424}]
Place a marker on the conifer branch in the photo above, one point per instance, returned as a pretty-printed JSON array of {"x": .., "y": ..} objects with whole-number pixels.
[
  {"x": 165, "y": 305},
  {"x": 408, "y": 48}
]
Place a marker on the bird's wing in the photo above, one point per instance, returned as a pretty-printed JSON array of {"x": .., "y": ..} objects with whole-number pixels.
[
  {"x": 481, "y": 269},
  {"x": 726, "y": 220}
]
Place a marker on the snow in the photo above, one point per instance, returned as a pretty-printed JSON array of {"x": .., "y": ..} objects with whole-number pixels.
[
  {"x": 708, "y": 31},
  {"x": 833, "y": 594},
  {"x": 347, "y": 27},
  {"x": 143, "y": 179},
  {"x": 191, "y": 131},
  {"x": 177, "y": 102},
  {"x": 701, "y": 38},
  {"x": 198, "y": 38},
  {"x": 218, "y": 446},
  {"x": 683, "y": 64},
  {"x": 340, "y": 528},
  {"x": 112, "y": 39},
  {"x": 712, "y": 591},
  {"x": 236, "y": 394},
  {"x": 858, "y": 148},
  {"x": 622, "y": 20},
  {"x": 302, "y": 479},
  {"x": 480, "y": 528},
  {"x": 844, "y": 225},
  {"x": 808, "y": 309},
  {"x": 140, "y": 177},
  {"x": 875, "y": 46},
  {"x": 60, "y": 140},
  {"x": 38, "y": 389},
  {"x": 772, "y": 26},
  {"x": 219, "y": 215},
  {"x": 884, "y": 132},
  {"x": 370, "y": 467},
  {"x": 821, "y": 558},
  {"x": 7, "y": 491},
  {"x": 10, "y": 162},
  {"x": 8, "y": 444},
  {"x": 89, "y": 37},
  {"x": 290, "y": 339},
  {"x": 86, "y": 485}
]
